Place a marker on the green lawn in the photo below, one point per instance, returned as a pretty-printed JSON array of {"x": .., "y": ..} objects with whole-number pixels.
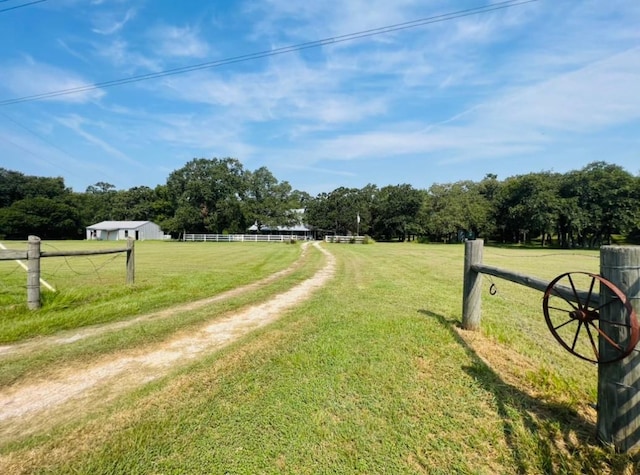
[
  {"x": 371, "y": 375},
  {"x": 92, "y": 290}
]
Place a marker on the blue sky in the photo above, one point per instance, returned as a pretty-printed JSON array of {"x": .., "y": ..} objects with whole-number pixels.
[{"x": 548, "y": 85}]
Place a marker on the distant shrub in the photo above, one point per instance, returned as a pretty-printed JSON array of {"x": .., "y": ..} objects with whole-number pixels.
[
  {"x": 423, "y": 240},
  {"x": 352, "y": 240},
  {"x": 367, "y": 240}
]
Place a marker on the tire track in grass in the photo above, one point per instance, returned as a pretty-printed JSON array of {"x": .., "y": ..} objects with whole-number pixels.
[
  {"x": 31, "y": 406},
  {"x": 71, "y": 336}
]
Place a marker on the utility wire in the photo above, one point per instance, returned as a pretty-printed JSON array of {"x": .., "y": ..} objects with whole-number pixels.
[
  {"x": 20, "y": 6},
  {"x": 272, "y": 52}
]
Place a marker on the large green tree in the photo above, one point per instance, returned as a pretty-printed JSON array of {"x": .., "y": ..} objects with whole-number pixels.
[
  {"x": 455, "y": 208},
  {"x": 206, "y": 195},
  {"x": 600, "y": 200},
  {"x": 47, "y": 218},
  {"x": 267, "y": 202},
  {"x": 42, "y": 206},
  {"x": 15, "y": 186},
  {"x": 528, "y": 206},
  {"x": 98, "y": 203},
  {"x": 337, "y": 212},
  {"x": 395, "y": 212}
]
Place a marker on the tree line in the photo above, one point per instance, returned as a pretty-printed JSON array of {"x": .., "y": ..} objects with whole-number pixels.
[{"x": 581, "y": 208}]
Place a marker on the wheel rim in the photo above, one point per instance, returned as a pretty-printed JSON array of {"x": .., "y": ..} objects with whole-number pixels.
[{"x": 575, "y": 322}]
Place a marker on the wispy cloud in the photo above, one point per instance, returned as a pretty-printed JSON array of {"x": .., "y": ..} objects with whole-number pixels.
[
  {"x": 122, "y": 56},
  {"x": 598, "y": 95},
  {"x": 518, "y": 122},
  {"x": 76, "y": 123},
  {"x": 31, "y": 77},
  {"x": 43, "y": 154},
  {"x": 177, "y": 41},
  {"x": 110, "y": 23}
]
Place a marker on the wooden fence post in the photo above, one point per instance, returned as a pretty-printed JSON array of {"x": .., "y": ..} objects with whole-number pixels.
[
  {"x": 472, "y": 288},
  {"x": 131, "y": 261},
  {"x": 33, "y": 273},
  {"x": 618, "y": 421}
]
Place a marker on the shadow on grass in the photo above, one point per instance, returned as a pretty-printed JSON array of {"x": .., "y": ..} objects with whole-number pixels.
[{"x": 543, "y": 436}]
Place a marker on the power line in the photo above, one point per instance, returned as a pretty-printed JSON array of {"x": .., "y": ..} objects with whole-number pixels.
[
  {"x": 21, "y": 6},
  {"x": 272, "y": 52}
]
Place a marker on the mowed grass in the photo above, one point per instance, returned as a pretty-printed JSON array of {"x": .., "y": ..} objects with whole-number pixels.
[
  {"x": 41, "y": 357},
  {"x": 92, "y": 290},
  {"x": 372, "y": 375}
]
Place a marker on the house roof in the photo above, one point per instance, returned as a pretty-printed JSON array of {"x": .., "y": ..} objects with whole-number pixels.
[
  {"x": 115, "y": 225},
  {"x": 297, "y": 227}
]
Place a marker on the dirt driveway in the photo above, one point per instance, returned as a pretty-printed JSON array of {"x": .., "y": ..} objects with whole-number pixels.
[{"x": 32, "y": 406}]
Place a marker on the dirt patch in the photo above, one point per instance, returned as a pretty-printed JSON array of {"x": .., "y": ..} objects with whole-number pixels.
[{"x": 31, "y": 406}]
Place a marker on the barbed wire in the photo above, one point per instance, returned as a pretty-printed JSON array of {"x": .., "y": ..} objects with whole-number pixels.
[{"x": 96, "y": 268}]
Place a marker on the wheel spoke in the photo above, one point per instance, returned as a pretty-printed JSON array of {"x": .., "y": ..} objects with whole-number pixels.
[
  {"x": 593, "y": 343},
  {"x": 575, "y": 292},
  {"x": 618, "y": 324},
  {"x": 563, "y": 324},
  {"x": 558, "y": 294},
  {"x": 609, "y": 339},
  {"x": 604, "y": 305},
  {"x": 575, "y": 338},
  {"x": 586, "y": 303},
  {"x": 558, "y": 309}
]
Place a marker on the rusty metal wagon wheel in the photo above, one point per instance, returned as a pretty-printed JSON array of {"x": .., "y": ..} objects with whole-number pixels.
[{"x": 573, "y": 317}]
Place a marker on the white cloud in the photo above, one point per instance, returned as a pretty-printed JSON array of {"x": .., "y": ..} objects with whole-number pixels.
[
  {"x": 178, "y": 42},
  {"x": 76, "y": 123},
  {"x": 119, "y": 53},
  {"x": 107, "y": 24},
  {"x": 43, "y": 154},
  {"x": 32, "y": 78},
  {"x": 598, "y": 95}
]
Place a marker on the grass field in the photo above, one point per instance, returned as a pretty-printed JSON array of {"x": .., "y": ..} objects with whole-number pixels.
[
  {"x": 92, "y": 289},
  {"x": 371, "y": 375}
]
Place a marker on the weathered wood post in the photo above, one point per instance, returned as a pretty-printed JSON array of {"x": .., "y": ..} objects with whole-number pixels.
[
  {"x": 472, "y": 288},
  {"x": 33, "y": 273},
  {"x": 131, "y": 261},
  {"x": 619, "y": 382}
]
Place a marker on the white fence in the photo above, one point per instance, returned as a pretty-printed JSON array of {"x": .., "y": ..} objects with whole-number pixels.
[
  {"x": 240, "y": 238},
  {"x": 345, "y": 239}
]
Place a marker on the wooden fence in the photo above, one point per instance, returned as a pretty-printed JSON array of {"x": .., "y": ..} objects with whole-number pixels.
[
  {"x": 240, "y": 237},
  {"x": 618, "y": 422},
  {"x": 33, "y": 254}
]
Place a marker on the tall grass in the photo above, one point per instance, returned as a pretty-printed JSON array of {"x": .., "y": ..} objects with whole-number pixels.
[
  {"x": 92, "y": 290},
  {"x": 372, "y": 375}
]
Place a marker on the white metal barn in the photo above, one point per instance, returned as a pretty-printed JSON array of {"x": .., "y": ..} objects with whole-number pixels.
[{"x": 116, "y": 230}]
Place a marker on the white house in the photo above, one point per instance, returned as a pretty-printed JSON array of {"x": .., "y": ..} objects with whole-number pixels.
[
  {"x": 298, "y": 229},
  {"x": 116, "y": 230}
]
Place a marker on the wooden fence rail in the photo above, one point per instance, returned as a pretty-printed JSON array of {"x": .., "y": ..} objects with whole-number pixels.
[
  {"x": 618, "y": 421},
  {"x": 33, "y": 254}
]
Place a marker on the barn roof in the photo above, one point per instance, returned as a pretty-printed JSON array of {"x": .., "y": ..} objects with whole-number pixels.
[{"x": 114, "y": 225}]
